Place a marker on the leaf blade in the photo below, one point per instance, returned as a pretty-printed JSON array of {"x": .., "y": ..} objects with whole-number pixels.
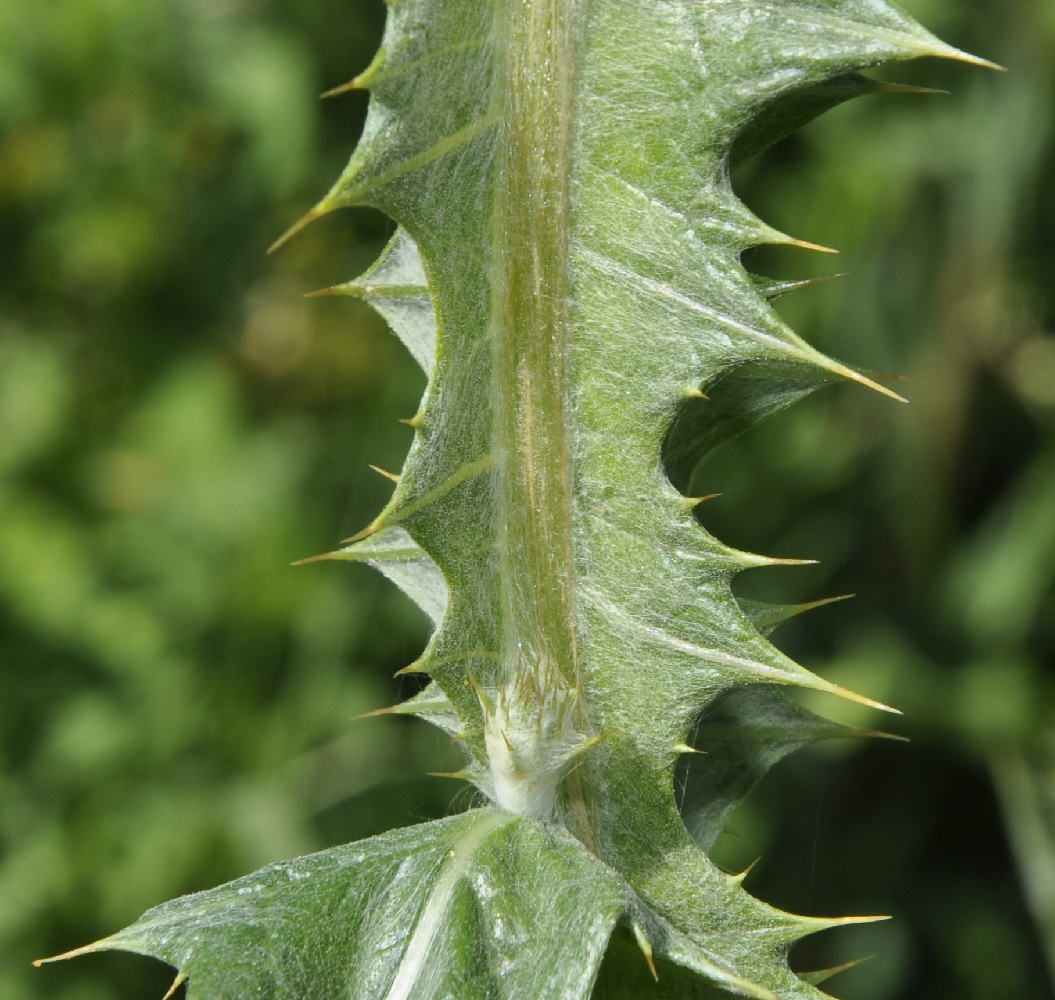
[{"x": 398, "y": 916}]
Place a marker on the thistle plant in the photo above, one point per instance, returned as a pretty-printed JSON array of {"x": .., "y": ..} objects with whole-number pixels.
[{"x": 566, "y": 271}]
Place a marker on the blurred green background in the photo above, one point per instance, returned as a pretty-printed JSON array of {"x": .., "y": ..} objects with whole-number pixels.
[{"x": 177, "y": 424}]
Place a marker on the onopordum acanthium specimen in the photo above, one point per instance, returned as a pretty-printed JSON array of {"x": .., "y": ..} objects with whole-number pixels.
[{"x": 567, "y": 273}]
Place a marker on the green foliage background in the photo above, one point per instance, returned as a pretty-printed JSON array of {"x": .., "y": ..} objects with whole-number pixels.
[{"x": 177, "y": 424}]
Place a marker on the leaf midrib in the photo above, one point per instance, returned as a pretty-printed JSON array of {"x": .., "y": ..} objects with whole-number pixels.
[
  {"x": 408, "y": 980},
  {"x": 531, "y": 327}
]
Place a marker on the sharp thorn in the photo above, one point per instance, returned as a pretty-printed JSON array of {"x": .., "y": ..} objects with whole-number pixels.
[
  {"x": 411, "y": 668},
  {"x": 693, "y": 502},
  {"x": 878, "y": 734},
  {"x": 481, "y": 695},
  {"x": 892, "y": 376},
  {"x": 859, "y": 699},
  {"x": 753, "y": 561},
  {"x": 181, "y": 978},
  {"x": 344, "y": 88},
  {"x": 316, "y": 213},
  {"x": 87, "y": 949},
  {"x": 819, "y": 976},
  {"x": 739, "y": 877},
  {"x": 388, "y": 710},
  {"x": 685, "y": 748},
  {"x": 948, "y": 52},
  {"x": 791, "y": 241},
  {"x": 781, "y": 288},
  {"x": 849, "y": 921},
  {"x": 905, "y": 88},
  {"x": 856, "y": 376},
  {"x": 371, "y": 529},
  {"x": 813, "y": 605},
  {"x": 384, "y": 472},
  {"x": 646, "y": 948},
  {"x": 587, "y": 745},
  {"x": 314, "y": 559}
]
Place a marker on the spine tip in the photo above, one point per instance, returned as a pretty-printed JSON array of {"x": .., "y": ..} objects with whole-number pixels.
[
  {"x": 344, "y": 88},
  {"x": 646, "y": 949},
  {"x": 384, "y": 472},
  {"x": 303, "y": 222},
  {"x": 683, "y": 748}
]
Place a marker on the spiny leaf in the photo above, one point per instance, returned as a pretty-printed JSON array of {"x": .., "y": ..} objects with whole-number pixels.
[
  {"x": 481, "y": 904},
  {"x": 567, "y": 273}
]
